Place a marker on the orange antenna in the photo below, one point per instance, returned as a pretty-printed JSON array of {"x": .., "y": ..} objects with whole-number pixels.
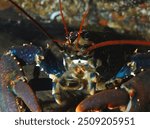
[
  {"x": 81, "y": 25},
  {"x": 118, "y": 42},
  {"x": 63, "y": 19},
  {"x": 38, "y": 25}
]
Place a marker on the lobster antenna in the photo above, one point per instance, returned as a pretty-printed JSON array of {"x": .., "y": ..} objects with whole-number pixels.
[
  {"x": 81, "y": 25},
  {"x": 38, "y": 25},
  {"x": 63, "y": 20},
  {"x": 118, "y": 42}
]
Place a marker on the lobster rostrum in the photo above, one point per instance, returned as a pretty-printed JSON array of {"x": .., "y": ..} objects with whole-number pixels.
[{"x": 78, "y": 72}]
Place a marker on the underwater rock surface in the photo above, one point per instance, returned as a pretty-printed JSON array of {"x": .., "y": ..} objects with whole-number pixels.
[{"x": 125, "y": 16}]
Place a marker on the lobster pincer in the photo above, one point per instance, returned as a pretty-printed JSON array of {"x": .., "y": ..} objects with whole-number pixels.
[
  {"x": 133, "y": 95},
  {"x": 15, "y": 93}
]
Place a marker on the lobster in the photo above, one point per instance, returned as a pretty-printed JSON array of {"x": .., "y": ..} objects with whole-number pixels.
[{"x": 78, "y": 71}]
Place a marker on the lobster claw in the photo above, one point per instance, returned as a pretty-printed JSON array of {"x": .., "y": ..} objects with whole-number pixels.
[
  {"x": 134, "y": 95},
  {"x": 25, "y": 93},
  {"x": 7, "y": 100},
  {"x": 105, "y": 99}
]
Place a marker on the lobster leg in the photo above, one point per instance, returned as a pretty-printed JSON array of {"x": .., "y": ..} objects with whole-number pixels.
[
  {"x": 137, "y": 63},
  {"x": 56, "y": 93},
  {"x": 26, "y": 53},
  {"x": 30, "y": 54},
  {"x": 91, "y": 82},
  {"x": 52, "y": 67}
]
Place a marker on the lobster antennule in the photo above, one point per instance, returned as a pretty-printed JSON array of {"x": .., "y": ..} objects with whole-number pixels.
[
  {"x": 81, "y": 25},
  {"x": 118, "y": 42}
]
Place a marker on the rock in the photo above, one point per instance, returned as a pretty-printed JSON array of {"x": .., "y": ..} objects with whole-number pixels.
[{"x": 125, "y": 16}]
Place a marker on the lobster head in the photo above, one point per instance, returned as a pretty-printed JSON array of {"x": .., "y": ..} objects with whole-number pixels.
[{"x": 77, "y": 44}]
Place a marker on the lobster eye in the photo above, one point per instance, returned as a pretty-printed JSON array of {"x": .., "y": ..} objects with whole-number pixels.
[{"x": 73, "y": 36}]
